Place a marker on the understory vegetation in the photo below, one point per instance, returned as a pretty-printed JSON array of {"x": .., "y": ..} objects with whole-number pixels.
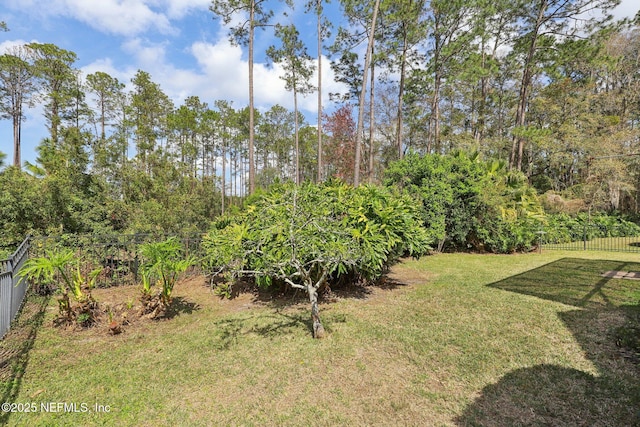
[
  {"x": 59, "y": 270},
  {"x": 317, "y": 237},
  {"x": 471, "y": 204},
  {"x": 451, "y": 339}
]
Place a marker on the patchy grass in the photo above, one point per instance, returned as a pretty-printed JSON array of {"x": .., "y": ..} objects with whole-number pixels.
[{"x": 452, "y": 339}]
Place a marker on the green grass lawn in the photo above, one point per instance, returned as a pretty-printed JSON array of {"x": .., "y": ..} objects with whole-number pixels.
[{"x": 451, "y": 339}]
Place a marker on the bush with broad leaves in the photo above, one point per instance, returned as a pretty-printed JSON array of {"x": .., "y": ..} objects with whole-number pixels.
[{"x": 315, "y": 235}]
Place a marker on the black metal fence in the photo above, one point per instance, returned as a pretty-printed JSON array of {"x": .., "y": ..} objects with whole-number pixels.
[
  {"x": 117, "y": 255},
  {"x": 591, "y": 237}
]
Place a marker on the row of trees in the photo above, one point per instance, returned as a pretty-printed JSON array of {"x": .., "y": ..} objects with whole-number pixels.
[
  {"x": 557, "y": 101},
  {"x": 119, "y": 160},
  {"x": 459, "y": 73}
]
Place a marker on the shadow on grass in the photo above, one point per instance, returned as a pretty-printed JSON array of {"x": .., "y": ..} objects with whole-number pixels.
[
  {"x": 282, "y": 295},
  {"x": 293, "y": 297},
  {"x": 228, "y": 332},
  {"x": 180, "y": 305},
  {"x": 551, "y": 395},
  {"x": 558, "y": 395},
  {"x": 15, "y": 348},
  {"x": 577, "y": 282}
]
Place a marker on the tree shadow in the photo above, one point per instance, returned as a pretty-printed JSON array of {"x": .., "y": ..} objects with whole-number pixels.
[
  {"x": 179, "y": 305},
  {"x": 551, "y": 395},
  {"x": 282, "y": 295},
  {"x": 577, "y": 282},
  {"x": 227, "y": 332},
  {"x": 283, "y": 324},
  {"x": 270, "y": 325},
  {"x": 548, "y": 394},
  {"x": 16, "y": 346}
]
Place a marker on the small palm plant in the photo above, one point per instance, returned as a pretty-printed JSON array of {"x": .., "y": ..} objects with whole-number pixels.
[
  {"x": 162, "y": 264},
  {"x": 60, "y": 262}
]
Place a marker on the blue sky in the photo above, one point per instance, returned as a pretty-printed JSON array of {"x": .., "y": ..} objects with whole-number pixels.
[{"x": 178, "y": 42}]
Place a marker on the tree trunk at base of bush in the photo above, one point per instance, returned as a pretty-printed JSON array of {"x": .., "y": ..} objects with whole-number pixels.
[{"x": 318, "y": 329}]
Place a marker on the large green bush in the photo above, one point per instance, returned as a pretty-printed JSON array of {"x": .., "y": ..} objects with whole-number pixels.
[
  {"x": 22, "y": 208},
  {"x": 470, "y": 204},
  {"x": 311, "y": 236}
]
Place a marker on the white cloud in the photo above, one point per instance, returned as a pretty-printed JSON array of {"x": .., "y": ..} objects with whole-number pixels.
[
  {"x": 220, "y": 70},
  {"x": 105, "y": 65},
  {"x": 8, "y": 44},
  {"x": 125, "y": 17},
  {"x": 226, "y": 77},
  {"x": 147, "y": 55},
  {"x": 179, "y": 8},
  {"x": 224, "y": 70},
  {"x": 122, "y": 17}
]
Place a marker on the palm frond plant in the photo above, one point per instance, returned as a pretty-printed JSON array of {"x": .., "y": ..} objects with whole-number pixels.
[
  {"x": 163, "y": 262},
  {"x": 63, "y": 266}
]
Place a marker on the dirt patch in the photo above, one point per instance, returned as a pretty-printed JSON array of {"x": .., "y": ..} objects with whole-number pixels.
[
  {"x": 121, "y": 310},
  {"x": 403, "y": 276}
]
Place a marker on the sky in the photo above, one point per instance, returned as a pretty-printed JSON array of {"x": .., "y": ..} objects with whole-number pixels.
[{"x": 178, "y": 42}]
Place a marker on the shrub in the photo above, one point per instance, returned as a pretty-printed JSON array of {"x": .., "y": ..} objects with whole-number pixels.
[
  {"x": 66, "y": 266},
  {"x": 312, "y": 236},
  {"x": 564, "y": 228},
  {"x": 470, "y": 204},
  {"x": 163, "y": 262}
]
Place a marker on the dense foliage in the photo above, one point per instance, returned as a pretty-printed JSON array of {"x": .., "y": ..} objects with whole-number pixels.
[
  {"x": 62, "y": 201},
  {"x": 563, "y": 228},
  {"x": 560, "y": 110},
  {"x": 449, "y": 75},
  {"x": 316, "y": 235},
  {"x": 470, "y": 204}
]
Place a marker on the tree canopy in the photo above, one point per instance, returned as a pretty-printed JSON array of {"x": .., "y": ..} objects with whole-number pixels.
[{"x": 533, "y": 85}]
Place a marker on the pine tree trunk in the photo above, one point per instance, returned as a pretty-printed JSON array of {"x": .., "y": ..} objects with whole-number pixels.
[
  {"x": 371, "y": 123},
  {"x": 252, "y": 172},
  {"x": 296, "y": 136},
  {"x": 517, "y": 148},
  {"x": 363, "y": 91},
  {"x": 224, "y": 170},
  {"x": 319, "y": 174},
  {"x": 403, "y": 67},
  {"x": 17, "y": 162},
  {"x": 435, "y": 108}
]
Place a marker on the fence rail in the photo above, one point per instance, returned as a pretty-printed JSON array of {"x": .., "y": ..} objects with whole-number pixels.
[
  {"x": 12, "y": 287},
  {"x": 592, "y": 237}
]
